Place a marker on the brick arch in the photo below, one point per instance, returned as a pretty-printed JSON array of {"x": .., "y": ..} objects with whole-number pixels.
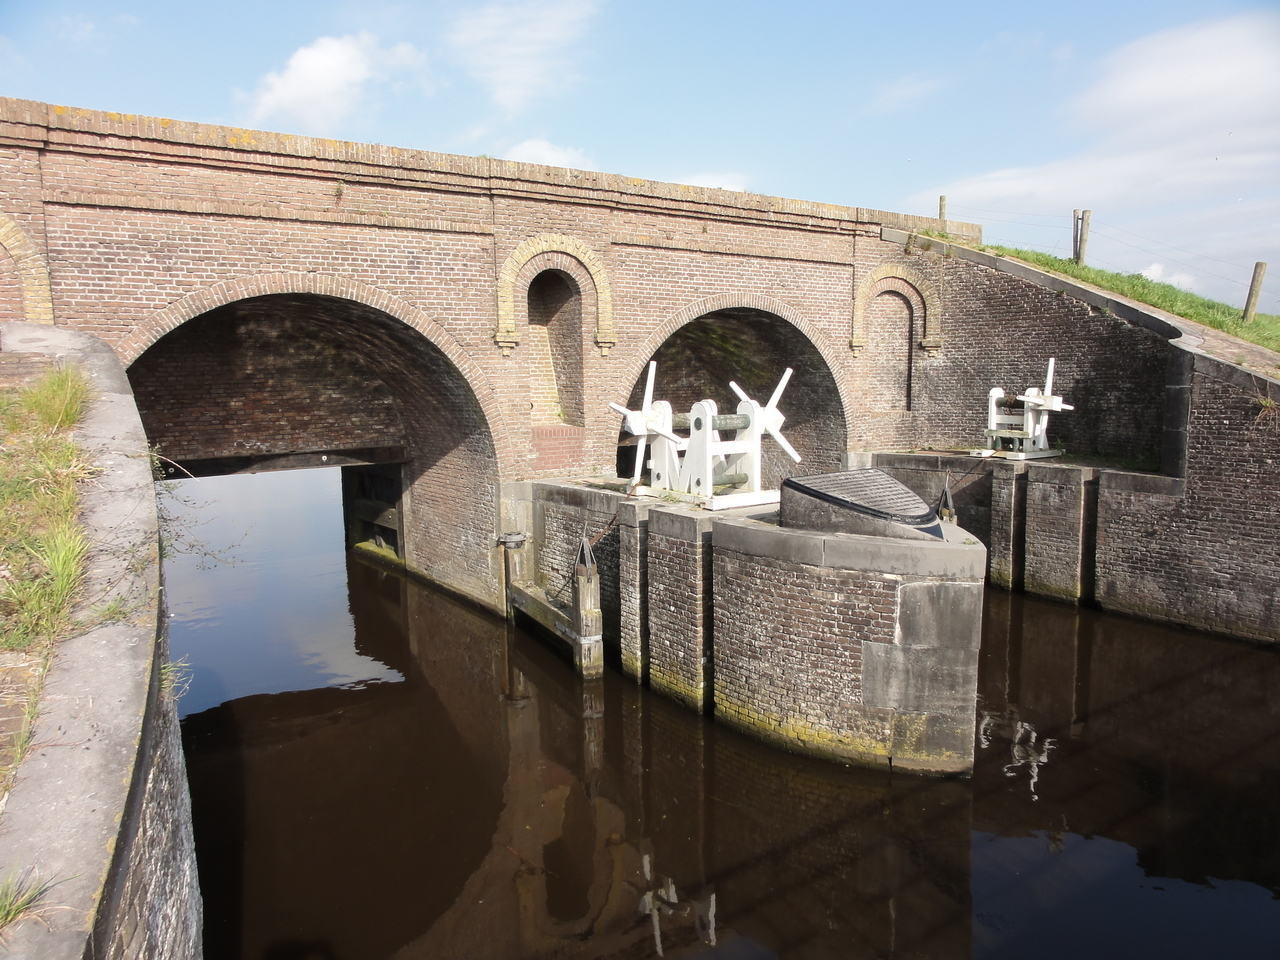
[
  {"x": 202, "y": 301},
  {"x": 33, "y": 271},
  {"x": 917, "y": 290},
  {"x": 585, "y": 266},
  {"x": 835, "y": 362}
]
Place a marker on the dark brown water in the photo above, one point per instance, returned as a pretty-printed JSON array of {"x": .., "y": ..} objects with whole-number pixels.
[{"x": 380, "y": 772}]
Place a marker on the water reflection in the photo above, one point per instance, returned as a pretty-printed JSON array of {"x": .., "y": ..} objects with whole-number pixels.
[{"x": 492, "y": 805}]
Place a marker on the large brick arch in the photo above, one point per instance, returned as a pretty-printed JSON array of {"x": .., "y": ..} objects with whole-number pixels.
[
  {"x": 33, "y": 271},
  {"x": 590, "y": 273},
  {"x": 835, "y": 361},
  {"x": 150, "y": 330},
  {"x": 750, "y": 339}
]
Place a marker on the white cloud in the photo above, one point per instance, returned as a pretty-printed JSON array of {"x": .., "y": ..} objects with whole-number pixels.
[
  {"x": 517, "y": 47},
  {"x": 325, "y": 82},
  {"x": 902, "y": 93},
  {"x": 1188, "y": 112},
  {"x": 543, "y": 151},
  {"x": 76, "y": 29},
  {"x": 1178, "y": 128},
  {"x": 725, "y": 181},
  {"x": 1155, "y": 272}
]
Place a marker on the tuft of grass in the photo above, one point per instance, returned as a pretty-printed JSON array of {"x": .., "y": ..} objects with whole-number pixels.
[
  {"x": 20, "y": 896},
  {"x": 175, "y": 678},
  {"x": 1264, "y": 330},
  {"x": 57, "y": 400},
  {"x": 42, "y": 550}
]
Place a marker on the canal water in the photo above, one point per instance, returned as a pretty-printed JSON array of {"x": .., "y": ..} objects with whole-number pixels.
[{"x": 379, "y": 771}]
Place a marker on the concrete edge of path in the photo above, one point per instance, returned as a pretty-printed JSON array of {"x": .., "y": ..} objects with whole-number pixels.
[{"x": 68, "y": 818}]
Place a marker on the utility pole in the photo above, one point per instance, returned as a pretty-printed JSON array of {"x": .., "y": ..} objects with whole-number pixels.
[{"x": 942, "y": 212}]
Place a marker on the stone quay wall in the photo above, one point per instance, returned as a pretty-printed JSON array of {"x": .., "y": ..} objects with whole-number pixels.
[
  {"x": 1199, "y": 548},
  {"x": 843, "y": 646},
  {"x": 101, "y": 808}
]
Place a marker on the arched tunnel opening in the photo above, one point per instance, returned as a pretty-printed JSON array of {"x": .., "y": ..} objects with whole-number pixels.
[
  {"x": 288, "y": 381},
  {"x": 752, "y": 348}
]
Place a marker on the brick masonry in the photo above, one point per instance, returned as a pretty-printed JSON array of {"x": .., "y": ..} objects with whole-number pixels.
[{"x": 495, "y": 308}]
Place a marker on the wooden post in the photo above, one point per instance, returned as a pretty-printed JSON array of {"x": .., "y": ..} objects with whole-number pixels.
[
  {"x": 1083, "y": 243},
  {"x": 1255, "y": 291},
  {"x": 942, "y": 212},
  {"x": 588, "y": 621}
]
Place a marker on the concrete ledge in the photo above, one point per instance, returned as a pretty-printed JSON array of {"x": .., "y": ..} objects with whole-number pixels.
[
  {"x": 1116, "y": 481},
  {"x": 679, "y": 523},
  {"x": 75, "y": 814},
  {"x": 847, "y": 551},
  {"x": 575, "y": 495}
]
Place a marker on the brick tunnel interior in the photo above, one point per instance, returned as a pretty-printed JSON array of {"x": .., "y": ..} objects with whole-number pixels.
[
  {"x": 752, "y": 348},
  {"x": 299, "y": 380}
]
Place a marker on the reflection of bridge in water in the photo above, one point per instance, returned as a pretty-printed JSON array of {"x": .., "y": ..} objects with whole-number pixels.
[{"x": 495, "y": 806}]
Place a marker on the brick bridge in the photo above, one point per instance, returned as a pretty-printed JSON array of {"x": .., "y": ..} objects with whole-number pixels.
[{"x": 285, "y": 301}]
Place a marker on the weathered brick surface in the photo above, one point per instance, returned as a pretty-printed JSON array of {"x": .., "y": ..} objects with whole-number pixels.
[
  {"x": 789, "y": 640},
  {"x": 1060, "y": 525},
  {"x": 533, "y": 296},
  {"x": 1205, "y": 551},
  {"x": 680, "y": 602}
]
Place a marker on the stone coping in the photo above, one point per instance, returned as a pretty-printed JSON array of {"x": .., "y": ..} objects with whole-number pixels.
[
  {"x": 960, "y": 556},
  {"x": 69, "y": 811},
  {"x": 41, "y": 124}
]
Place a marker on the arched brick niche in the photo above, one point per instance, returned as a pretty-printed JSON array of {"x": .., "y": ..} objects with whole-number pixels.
[
  {"x": 553, "y": 285},
  {"x": 918, "y": 293},
  {"x": 297, "y": 373},
  {"x": 569, "y": 256},
  {"x": 752, "y": 347},
  {"x": 10, "y": 288},
  {"x": 23, "y": 266}
]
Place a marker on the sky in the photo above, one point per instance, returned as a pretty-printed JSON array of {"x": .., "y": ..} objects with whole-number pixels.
[{"x": 1162, "y": 117}]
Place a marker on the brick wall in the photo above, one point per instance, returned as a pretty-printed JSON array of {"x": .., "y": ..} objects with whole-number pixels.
[
  {"x": 680, "y": 602},
  {"x": 1205, "y": 550}
]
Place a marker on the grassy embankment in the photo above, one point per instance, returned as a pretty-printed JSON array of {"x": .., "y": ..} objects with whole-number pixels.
[
  {"x": 1264, "y": 330},
  {"x": 42, "y": 553}
]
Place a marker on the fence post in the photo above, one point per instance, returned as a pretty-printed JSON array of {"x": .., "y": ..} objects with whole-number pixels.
[
  {"x": 1255, "y": 291},
  {"x": 1082, "y": 235}
]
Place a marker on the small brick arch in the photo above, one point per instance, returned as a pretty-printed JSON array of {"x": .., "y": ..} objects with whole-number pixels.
[
  {"x": 917, "y": 290},
  {"x": 573, "y": 257},
  {"x": 835, "y": 362},
  {"x": 33, "y": 271},
  {"x": 202, "y": 301}
]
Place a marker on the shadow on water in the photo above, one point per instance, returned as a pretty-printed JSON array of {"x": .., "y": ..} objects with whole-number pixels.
[{"x": 489, "y": 804}]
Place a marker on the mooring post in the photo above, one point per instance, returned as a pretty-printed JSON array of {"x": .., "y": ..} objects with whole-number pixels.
[
  {"x": 587, "y": 618},
  {"x": 513, "y": 555},
  {"x": 1255, "y": 291}
]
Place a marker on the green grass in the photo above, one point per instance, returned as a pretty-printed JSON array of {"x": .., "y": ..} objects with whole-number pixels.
[
  {"x": 1264, "y": 330},
  {"x": 42, "y": 548},
  {"x": 20, "y": 896}
]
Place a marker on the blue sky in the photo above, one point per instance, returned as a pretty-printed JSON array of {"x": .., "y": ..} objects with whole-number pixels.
[{"x": 1162, "y": 117}]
